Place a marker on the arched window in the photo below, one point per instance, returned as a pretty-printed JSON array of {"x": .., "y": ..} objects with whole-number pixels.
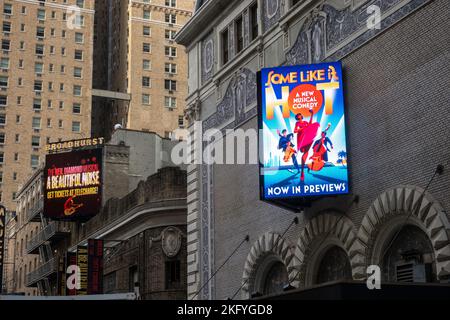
[
  {"x": 408, "y": 257},
  {"x": 334, "y": 265},
  {"x": 271, "y": 276},
  {"x": 276, "y": 279}
]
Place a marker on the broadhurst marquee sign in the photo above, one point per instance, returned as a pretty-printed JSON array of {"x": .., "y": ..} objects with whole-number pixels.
[
  {"x": 73, "y": 184},
  {"x": 302, "y": 122}
]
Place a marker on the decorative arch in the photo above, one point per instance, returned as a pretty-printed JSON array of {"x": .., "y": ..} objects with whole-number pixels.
[
  {"x": 268, "y": 243},
  {"x": 312, "y": 243},
  {"x": 389, "y": 211}
]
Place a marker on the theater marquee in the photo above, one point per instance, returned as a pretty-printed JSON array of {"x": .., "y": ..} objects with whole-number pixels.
[
  {"x": 303, "y": 151},
  {"x": 73, "y": 184}
]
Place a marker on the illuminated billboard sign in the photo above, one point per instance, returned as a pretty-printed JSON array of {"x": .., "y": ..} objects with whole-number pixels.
[
  {"x": 73, "y": 184},
  {"x": 303, "y": 150}
]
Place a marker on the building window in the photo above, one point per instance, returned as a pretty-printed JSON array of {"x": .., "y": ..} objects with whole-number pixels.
[
  {"x": 170, "y": 68},
  {"x": 4, "y": 63},
  {"x": 80, "y": 3},
  {"x": 78, "y": 55},
  {"x": 77, "y": 72},
  {"x": 170, "y": 51},
  {"x": 6, "y": 44},
  {"x": 7, "y": 9},
  {"x": 41, "y": 14},
  {"x": 76, "y": 108},
  {"x": 173, "y": 274},
  {"x": 239, "y": 35},
  {"x": 3, "y": 101},
  {"x": 146, "y": 99},
  {"x": 3, "y": 81},
  {"x": 39, "y": 49},
  {"x": 6, "y": 27},
  {"x": 37, "y": 104},
  {"x": 37, "y": 85},
  {"x": 225, "y": 55},
  {"x": 171, "y": 18},
  {"x": 146, "y": 82},
  {"x": 146, "y": 48},
  {"x": 36, "y": 123},
  {"x": 276, "y": 279},
  {"x": 38, "y": 67},
  {"x": 77, "y": 90},
  {"x": 76, "y": 126},
  {"x": 35, "y": 141},
  {"x": 40, "y": 32},
  {"x": 254, "y": 28},
  {"x": 170, "y": 102},
  {"x": 79, "y": 20},
  {"x": 170, "y": 34},
  {"x": 171, "y": 3},
  {"x": 146, "y": 65},
  {"x": 79, "y": 37},
  {"x": 34, "y": 161},
  {"x": 170, "y": 85}
]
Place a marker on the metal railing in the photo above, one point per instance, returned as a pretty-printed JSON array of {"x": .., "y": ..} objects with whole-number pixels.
[
  {"x": 42, "y": 272},
  {"x": 46, "y": 234},
  {"x": 36, "y": 210}
]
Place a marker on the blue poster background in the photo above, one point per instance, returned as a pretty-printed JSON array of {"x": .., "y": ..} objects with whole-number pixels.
[{"x": 324, "y": 173}]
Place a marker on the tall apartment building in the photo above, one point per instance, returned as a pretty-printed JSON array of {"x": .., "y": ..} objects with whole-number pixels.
[
  {"x": 45, "y": 82},
  {"x": 136, "y": 54}
]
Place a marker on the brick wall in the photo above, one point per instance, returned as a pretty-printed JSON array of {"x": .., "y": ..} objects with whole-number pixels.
[{"x": 397, "y": 99}]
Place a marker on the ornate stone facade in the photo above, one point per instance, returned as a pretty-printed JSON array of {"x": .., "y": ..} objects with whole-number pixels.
[{"x": 331, "y": 30}]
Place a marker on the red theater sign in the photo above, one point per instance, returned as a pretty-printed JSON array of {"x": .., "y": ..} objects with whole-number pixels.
[{"x": 73, "y": 182}]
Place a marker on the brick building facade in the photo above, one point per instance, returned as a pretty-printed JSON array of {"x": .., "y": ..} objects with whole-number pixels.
[{"x": 396, "y": 99}]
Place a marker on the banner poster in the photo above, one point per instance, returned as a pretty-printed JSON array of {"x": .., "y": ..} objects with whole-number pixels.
[
  {"x": 303, "y": 147},
  {"x": 82, "y": 263},
  {"x": 95, "y": 266}
]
